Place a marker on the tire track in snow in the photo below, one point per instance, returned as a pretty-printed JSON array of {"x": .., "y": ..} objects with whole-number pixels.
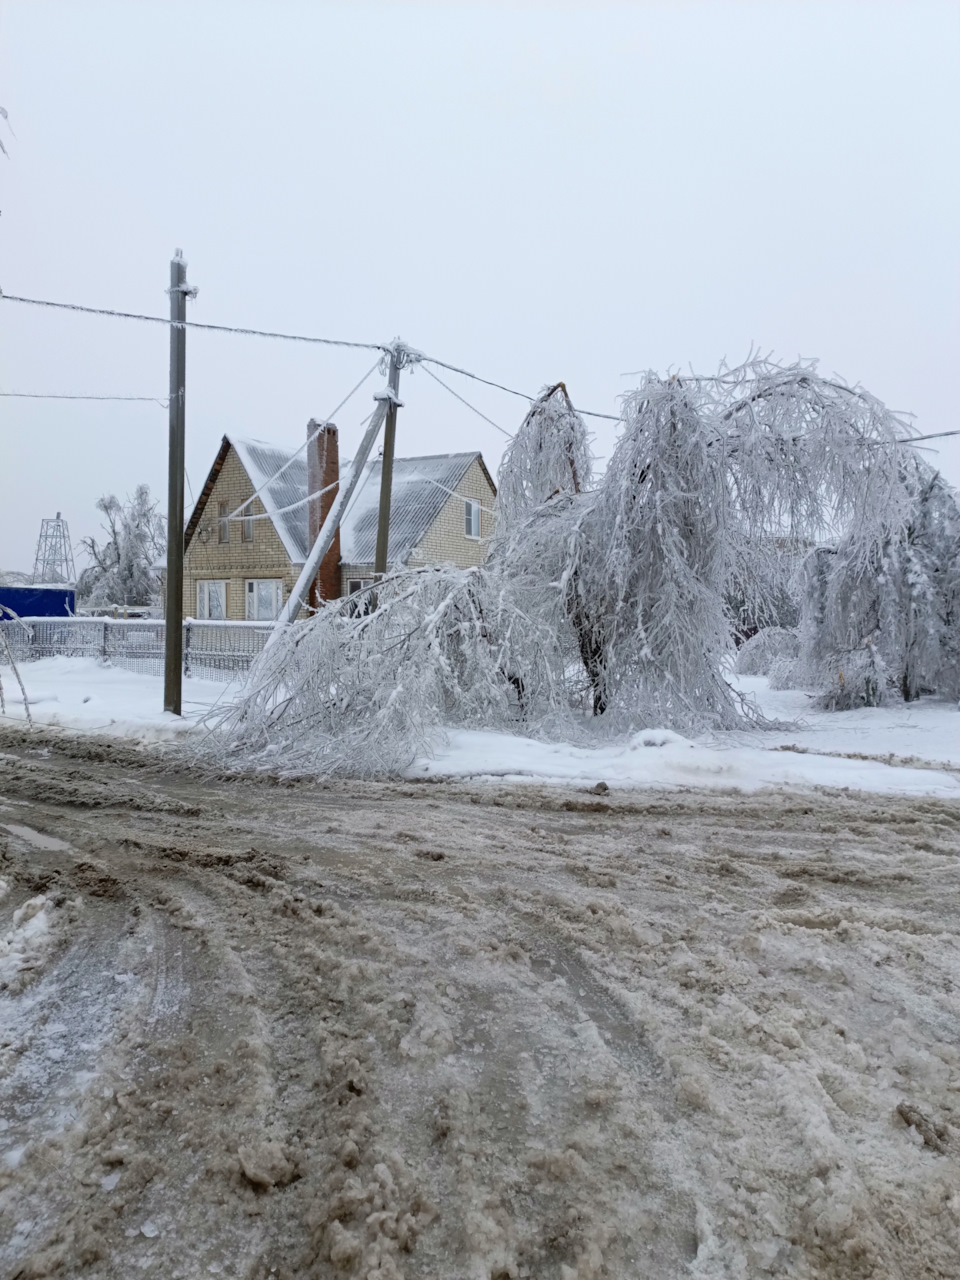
[{"x": 757, "y": 995}]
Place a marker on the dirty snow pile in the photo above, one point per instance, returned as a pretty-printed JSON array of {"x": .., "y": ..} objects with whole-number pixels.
[{"x": 24, "y": 945}]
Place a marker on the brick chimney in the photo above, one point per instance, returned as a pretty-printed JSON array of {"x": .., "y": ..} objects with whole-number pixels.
[{"x": 323, "y": 469}]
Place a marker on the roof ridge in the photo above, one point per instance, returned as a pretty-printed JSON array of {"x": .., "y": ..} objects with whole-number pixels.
[{"x": 267, "y": 444}]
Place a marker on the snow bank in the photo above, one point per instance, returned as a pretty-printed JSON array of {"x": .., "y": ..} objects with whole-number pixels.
[{"x": 659, "y": 758}]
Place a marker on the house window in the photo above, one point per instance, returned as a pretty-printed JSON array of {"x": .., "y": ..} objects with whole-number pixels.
[
  {"x": 223, "y": 523},
  {"x": 471, "y": 515},
  {"x": 264, "y": 598},
  {"x": 211, "y": 599},
  {"x": 359, "y": 608},
  {"x": 246, "y": 528}
]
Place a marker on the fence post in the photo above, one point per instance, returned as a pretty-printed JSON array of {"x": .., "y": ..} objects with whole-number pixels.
[
  {"x": 187, "y": 632},
  {"x": 103, "y": 640}
]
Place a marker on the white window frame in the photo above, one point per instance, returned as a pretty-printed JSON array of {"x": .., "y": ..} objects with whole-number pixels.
[
  {"x": 250, "y": 594},
  {"x": 203, "y": 597},
  {"x": 471, "y": 519},
  {"x": 358, "y": 584}
]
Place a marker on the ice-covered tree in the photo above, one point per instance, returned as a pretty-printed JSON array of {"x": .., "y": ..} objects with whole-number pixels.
[
  {"x": 714, "y": 482},
  {"x": 890, "y": 626},
  {"x": 544, "y": 497},
  {"x": 6, "y": 119},
  {"x": 549, "y": 455},
  {"x": 609, "y": 604},
  {"x": 935, "y": 528},
  {"x": 124, "y": 565}
]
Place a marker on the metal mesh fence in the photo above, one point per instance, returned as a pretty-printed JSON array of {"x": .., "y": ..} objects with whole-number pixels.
[{"x": 212, "y": 650}]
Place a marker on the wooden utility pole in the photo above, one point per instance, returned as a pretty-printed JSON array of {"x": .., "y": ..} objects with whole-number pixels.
[
  {"x": 386, "y": 469},
  {"x": 173, "y": 630}
]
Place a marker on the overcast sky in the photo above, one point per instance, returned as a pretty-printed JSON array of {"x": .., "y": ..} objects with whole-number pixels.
[{"x": 533, "y": 191}]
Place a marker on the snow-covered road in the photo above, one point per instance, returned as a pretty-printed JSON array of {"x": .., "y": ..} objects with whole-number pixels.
[{"x": 443, "y": 1030}]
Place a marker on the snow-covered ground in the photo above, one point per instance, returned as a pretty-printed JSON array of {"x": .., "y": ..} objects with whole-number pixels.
[
  {"x": 928, "y": 730},
  {"x": 81, "y": 693},
  {"x": 658, "y": 758},
  {"x": 905, "y": 744}
]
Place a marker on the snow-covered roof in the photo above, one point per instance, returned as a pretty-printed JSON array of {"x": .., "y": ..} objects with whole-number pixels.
[
  {"x": 421, "y": 486},
  {"x": 261, "y": 461}
]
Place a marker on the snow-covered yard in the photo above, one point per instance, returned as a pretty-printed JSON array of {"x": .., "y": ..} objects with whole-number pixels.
[
  {"x": 81, "y": 693},
  {"x": 906, "y": 743}
]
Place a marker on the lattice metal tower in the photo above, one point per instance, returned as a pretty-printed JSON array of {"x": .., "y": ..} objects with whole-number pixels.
[{"x": 54, "y": 559}]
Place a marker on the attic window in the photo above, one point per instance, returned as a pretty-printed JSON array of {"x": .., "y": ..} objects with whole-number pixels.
[
  {"x": 471, "y": 518},
  {"x": 223, "y": 523}
]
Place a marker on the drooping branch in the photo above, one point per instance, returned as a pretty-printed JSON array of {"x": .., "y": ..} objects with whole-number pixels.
[{"x": 549, "y": 455}]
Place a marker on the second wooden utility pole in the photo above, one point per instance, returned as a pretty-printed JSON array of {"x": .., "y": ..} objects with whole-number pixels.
[
  {"x": 173, "y": 630},
  {"x": 386, "y": 470}
]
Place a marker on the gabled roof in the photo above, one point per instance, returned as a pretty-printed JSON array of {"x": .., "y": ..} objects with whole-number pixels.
[
  {"x": 261, "y": 462},
  {"x": 421, "y": 487}
]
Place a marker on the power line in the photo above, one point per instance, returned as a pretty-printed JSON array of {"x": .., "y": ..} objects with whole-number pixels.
[
  {"x": 282, "y": 337},
  {"x": 459, "y": 397},
  {"x": 280, "y": 511},
  {"x": 297, "y": 337},
  {"x": 522, "y": 395},
  {"x": 453, "y": 493},
  {"x": 50, "y": 395},
  {"x": 937, "y": 435},
  {"x": 193, "y": 324}
]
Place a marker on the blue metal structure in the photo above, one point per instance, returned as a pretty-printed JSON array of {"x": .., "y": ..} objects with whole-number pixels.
[{"x": 39, "y": 601}]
